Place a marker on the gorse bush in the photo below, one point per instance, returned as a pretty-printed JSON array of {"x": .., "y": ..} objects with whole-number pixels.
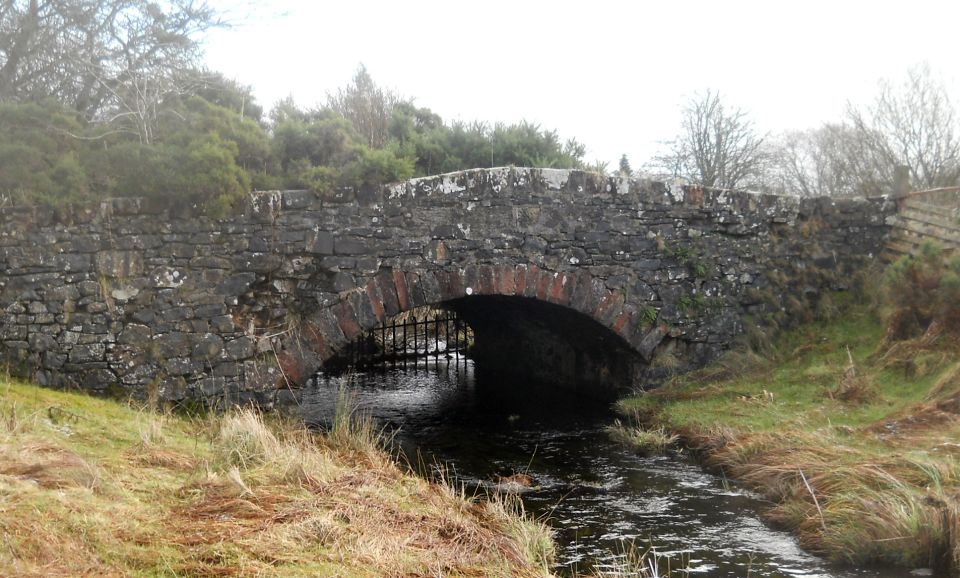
[{"x": 921, "y": 294}]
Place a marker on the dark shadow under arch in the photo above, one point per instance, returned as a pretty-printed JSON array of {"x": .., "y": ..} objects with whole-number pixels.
[{"x": 525, "y": 338}]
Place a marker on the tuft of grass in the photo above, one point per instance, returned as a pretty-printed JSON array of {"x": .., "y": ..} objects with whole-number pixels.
[
  {"x": 644, "y": 441},
  {"x": 151, "y": 429},
  {"x": 636, "y": 562},
  {"x": 534, "y": 537},
  {"x": 245, "y": 441},
  {"x": 352, "y": 429}
]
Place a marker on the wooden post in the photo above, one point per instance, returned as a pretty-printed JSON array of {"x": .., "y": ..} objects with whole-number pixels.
[{"x": 901, "y": 181}]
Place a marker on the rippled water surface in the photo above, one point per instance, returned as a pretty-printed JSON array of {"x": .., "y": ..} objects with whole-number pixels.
[{"x": 598, "y": 495}]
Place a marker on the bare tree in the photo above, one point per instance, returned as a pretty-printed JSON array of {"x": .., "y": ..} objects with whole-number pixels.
[
  {"x": 716, "y": 147},
  {"x": 914, "y": 125},
  {"x": 833, "y": 160},
  {"x": 367, "y": 106},
  {"x": 112, "y": 60}
]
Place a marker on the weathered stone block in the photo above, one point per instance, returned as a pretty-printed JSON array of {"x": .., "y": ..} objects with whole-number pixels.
[
  {"x": 63, "y": 293},
  {"x": 320, "y": 242},
  {"x": 240, "y": 348},
  {"x": 72, "y": 262},
  {"x": 350, "y": 246},
  {"x": 173, "y": 344},
  {"x": 236, "y": 284},
  {"x": 42, "y": 343},
  {"x": 207, "y": 347},
  {"x": 415, "y": 295},
  {"x": 98, "y": 379},
  {"x": 119, "y": 264},
  {"x": 388, "y": 293},
  {"x": 346, "y": 320},
  {"x": 86, "y": 353}
]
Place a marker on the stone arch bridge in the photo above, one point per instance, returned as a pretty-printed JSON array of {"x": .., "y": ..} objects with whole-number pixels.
[{"x": 602, "y": 281}]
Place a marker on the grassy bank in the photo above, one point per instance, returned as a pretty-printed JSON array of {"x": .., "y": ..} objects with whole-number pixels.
[
  {"x": 854, "y": 437},
  {"x": 93, "y": 487}
]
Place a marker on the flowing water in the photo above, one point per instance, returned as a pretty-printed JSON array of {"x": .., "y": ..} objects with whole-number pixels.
[{"x": 601, "y": 498}]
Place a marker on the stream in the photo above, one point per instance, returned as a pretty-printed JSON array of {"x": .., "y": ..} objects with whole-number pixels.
[{"x": 601, "y": 498}]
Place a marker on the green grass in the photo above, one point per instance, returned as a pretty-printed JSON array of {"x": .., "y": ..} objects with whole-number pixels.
[
  {"x": 90, "y": 486},
  {"x": 852, "y": 438},
  {"x": 793, "y": 386}
]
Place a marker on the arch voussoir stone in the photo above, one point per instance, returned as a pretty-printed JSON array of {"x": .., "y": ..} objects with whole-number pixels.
[
  {"x": 400, "y": 286},
  {"x": 347, "y": 319},
  {"x": 388, "y": 293},
  {"x": 415, "y": 290},
  {"x": 451, "y": 284},
  {"x": 532, "y": 279},
  {"x": 430, "y": 287},
  {"x": 375, "y": 298},
  {"x": 562, "y": 288}
]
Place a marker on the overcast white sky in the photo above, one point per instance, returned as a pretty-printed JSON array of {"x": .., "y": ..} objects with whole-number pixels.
[{"x": 615, "y": 75}]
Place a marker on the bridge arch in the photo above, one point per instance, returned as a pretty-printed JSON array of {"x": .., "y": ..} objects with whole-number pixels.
[{"x": 592, "y": 330}]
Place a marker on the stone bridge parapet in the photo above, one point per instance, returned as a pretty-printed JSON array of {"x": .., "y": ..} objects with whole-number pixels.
[{"x": 131, "y": 297}]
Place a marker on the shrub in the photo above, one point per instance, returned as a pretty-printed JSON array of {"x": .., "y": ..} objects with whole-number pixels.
[{"x": 922, "y": 294}]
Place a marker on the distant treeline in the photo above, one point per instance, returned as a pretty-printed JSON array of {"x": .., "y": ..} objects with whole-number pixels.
[{"x": 212, "y": 144}]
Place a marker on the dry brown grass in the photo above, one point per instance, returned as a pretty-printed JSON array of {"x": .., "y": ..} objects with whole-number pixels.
[
  {"x": 894, "y": 508},
  {"x": 122, "y": 493},
  {"x": 48, "y": 466}
]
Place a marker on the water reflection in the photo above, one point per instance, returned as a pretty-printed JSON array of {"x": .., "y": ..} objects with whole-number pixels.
[{"x": 596, "y": 494}]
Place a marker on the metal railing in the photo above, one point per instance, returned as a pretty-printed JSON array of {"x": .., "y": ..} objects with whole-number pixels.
[{"x": 407, "y": 341}]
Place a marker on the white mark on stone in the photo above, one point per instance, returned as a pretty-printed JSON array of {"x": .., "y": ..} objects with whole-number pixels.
[
  {"x": 169, "y": 278},
  {"x": 555, "y": 179},
  {"x": 469, "y": 290},
  {"x": 124, "y": 293},
  {"x": 450, "y": 186}
]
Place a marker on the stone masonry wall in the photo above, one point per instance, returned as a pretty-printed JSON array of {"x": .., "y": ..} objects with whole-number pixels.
[{"x": 134, "y": 298}]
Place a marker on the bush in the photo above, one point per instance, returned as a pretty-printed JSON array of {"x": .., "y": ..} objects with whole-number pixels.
[
  {"x": 377, "y": 166},
  {"x": 38, "y": 154},
  {"x": 922, "y": 294}
]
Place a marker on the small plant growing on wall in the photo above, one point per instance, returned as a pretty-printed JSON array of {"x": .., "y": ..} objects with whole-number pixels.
[
  {"x": 648, "y": 315},
  {"x": 686, "y": 257},
  {"x": 691, "y": 303}
]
